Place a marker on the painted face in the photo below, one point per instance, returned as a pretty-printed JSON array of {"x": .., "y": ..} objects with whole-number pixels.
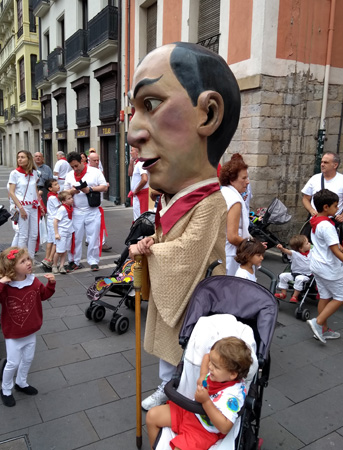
[
  {"x": 332, "y": 209},
  {"x": 327, "y": 165},
  {"x": 217, "y": 370},
  {"x": 257, "y": 259},
  {"x": 23, "y": 267},
  {"x": 242, "y": 181},
  {"x": 69, "y": 200},
  {"x": 22, "y": 160},
  {"x": 305, "y": 247},
  {"x": 55, "y": 187},
  {"x": 164, "y": 126},
  {"x": 77, "y": 167}
]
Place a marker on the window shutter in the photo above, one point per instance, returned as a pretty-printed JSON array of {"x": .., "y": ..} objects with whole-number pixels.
[
  {"x": 209, "y": 17},
  {"x": 151, "y": 27},
  {"x": 108, "y": 89}
]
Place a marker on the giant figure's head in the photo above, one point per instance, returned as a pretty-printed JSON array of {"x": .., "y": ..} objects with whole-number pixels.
[{"x": 187, "y": 105}]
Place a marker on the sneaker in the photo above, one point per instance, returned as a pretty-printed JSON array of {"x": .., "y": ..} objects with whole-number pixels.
[
  {"x": 55, "y": 270},
  {"x": 72, "y": 266},
  {"x": 8, "y": 400},
  {"x": 155, "y": 399},
  {"x": 317, "y": 329},
  {"x": 106, "y": 248},
  {"x": 63, "y": 270},
  {"x": 329, "y": 334},
  {"x": 28, "y": 390},
  {"x": 46, "y": 263},
  {"x": 94, "y": 267}
]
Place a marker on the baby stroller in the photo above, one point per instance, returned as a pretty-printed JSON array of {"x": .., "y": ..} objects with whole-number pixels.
[
  {"x": 216, "y": 306},
  {"x": 276, "y": 214},
  {"x": 120, "y": 283}
]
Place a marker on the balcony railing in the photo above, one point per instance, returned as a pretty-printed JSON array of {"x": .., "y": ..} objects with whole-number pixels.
[
  {"x": 6, "y": 114},
  {"x": 56, "y": 61},
  {"x": 47, "y": 123},
  {"x": 76, "y": 46},
  {"x": 61, "y": 121},
  {"x": 12, "y": 111},
  {"x": 82, "y": 117},
  {"x": 41, "y": 71},
  {"x": 22, "y": 98},
  {"x": 211, "y": 43},
  {"x": 103, "y": 26},
  {"x": 108, "y": 109}
]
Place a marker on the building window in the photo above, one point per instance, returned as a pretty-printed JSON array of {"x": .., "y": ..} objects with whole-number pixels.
[
  {"x": 47, "y": 43},
  {"x": 1, "y": 103},
  {"x": 62, "y": 34},
  {"x": 81, "y": 87},
  {"x": 32, "y": 18},
  {"x": 84, "y": 14},
  {"x": 151, "y": 27},
  {"x": 20, "y": 18},
  {"x": 34, "y": 91},
  {"x": 22, "y": 80},
  {"x": 209, "y": 23}
]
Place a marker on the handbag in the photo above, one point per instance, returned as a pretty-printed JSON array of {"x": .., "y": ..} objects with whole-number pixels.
[
  {"x": 94, "y": 199},
  {"x": 14, "y": 215}
]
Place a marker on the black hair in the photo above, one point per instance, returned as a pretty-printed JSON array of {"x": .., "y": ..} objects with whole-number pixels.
[
  {"x": 199, "y": 69},
  {"x": 248, "y": 248},
  {"x": 48, "y": 183},
  {"x": 324, "y": 197},
  {"x": 73, "y": 156}
]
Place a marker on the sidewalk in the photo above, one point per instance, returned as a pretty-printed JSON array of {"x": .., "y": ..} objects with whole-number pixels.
[{"x": 85, "y": 373}]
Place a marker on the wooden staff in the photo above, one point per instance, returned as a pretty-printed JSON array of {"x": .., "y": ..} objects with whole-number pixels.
[{"x": 137, "y": 283}]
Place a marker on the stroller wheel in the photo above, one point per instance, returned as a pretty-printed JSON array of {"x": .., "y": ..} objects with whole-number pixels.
[
  {"x": 130, "y": 303},
  {"x": 98, "y": 313},
  {"x": 88, "y": 312},
  {"x": 119, "y": 324},
  {"x": 305, "y": 315}
]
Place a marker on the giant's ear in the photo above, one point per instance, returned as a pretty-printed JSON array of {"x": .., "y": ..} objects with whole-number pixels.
[{"x": 210, "y": 112}]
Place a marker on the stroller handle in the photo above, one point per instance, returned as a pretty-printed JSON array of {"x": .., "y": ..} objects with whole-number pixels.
[{"x": 271, "y": 275}]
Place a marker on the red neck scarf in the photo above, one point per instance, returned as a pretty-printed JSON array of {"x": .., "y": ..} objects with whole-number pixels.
[
  {"x": 69, "y": 210},
  {"x": 215, "y": 386},
  {"x": 317, "y": 219},
  {"x": 21, "y": 170},
  {"x": 52, "y": 194},
  {"x": 305, "y": 253},
  {"x": 182, "y": 206},
  {"x": 82, "y": 174},
  {"x": 65, "y": 159}
]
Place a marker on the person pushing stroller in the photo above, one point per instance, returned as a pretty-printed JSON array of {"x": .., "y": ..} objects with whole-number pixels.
[{"x": 300, "y": 267}]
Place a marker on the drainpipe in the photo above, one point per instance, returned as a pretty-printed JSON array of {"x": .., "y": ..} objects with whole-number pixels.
[
  {"x": 322, "y": 131},
  {"x": 127, "y": 82},
  {"x": 117, "y": 134}
]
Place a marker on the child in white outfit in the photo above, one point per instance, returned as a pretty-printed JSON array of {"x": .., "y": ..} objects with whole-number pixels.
[
  {"x": 250, "y": 254},
  {"x": 52, "y": 206},
  {"x": 64, "y": 230},
  {"x": 300, "y": 267}
]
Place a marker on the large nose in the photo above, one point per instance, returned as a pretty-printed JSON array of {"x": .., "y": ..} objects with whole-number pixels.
[{"x": 138, "y": 133}]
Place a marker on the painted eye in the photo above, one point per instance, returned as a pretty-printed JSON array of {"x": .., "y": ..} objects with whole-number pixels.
[{"x": 151, "y": 104}]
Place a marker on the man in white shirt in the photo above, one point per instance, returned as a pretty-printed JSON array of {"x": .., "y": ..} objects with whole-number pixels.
[
  {"x": 61, "y": 169},
  {"x": 86, "y": 219},
  {"x": 139, "y": 185},
  {"x": 330, "y": 179}
]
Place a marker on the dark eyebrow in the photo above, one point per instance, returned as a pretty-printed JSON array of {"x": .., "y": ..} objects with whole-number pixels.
[{"x": 145, "y": 82}]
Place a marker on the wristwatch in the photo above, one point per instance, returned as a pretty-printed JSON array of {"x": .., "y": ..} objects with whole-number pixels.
[{"x": 90, "y": 189}]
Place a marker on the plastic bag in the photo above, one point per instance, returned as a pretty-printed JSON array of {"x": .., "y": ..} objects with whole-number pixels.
[{"x": 43, "y": 232}]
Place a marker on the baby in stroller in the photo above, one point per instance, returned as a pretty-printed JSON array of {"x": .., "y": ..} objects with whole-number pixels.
[
  {"x": 220, "y": 389},
  {"x": 300, "y": 267}
]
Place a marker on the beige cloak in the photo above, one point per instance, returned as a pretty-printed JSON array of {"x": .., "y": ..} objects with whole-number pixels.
[{"x": 178, "y": 262}]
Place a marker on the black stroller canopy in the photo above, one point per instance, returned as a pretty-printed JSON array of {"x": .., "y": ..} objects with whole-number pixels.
[{"x": 246, "y": 300}]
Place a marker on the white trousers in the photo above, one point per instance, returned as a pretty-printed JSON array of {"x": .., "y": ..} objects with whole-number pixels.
[
  {"x": 28, "y": 230},
  {"x": 20, "y": 353},
  {"x": 136, "y": 207},
  {"x": 89, "y": 223},
  {"x": 166, "y": 371},
  {"x": 299, "y": 281}
]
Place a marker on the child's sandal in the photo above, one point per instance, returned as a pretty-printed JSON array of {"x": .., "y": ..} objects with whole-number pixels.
[
  {"x": 293, "y": 299},
  {"x": 281, "y": 296}
]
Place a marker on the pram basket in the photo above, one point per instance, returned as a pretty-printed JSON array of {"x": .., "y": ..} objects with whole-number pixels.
[{"x": 252, "y": 305}]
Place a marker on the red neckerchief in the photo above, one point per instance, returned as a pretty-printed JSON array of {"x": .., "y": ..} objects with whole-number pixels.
[
  {"x": 305, "y": 253},
  {"x": 21, "y": 170},
  {"x": 182, "y": 206},
  {"x": 65, "y": 159},
  {"x": 69, "y": 210},
  {"x": 215, "y": 386},
  {"x": 317, "y": 219},
  {"x": 82, "y": 174},
  {"x": 52, "y": 194}
]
